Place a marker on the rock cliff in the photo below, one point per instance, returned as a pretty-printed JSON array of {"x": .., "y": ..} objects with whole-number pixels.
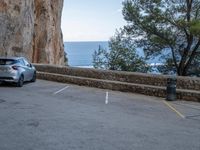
[{"x": 32, "y": 28}]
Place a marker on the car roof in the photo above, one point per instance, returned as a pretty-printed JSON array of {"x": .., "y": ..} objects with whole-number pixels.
[{"x": 14, "y": 58}]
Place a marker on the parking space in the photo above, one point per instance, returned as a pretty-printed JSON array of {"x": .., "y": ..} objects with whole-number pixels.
[{"x": 54, "y": 116}]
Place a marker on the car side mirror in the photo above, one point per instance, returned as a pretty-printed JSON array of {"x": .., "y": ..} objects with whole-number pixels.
[{"x": 29, "y": 65}]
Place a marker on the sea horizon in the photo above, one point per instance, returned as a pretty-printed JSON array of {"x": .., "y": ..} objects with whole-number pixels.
[
  {"x": 79, "y": 53},
  {"x": 86, "y": 41}
]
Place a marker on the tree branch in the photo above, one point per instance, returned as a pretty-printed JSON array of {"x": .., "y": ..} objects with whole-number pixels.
[
  {"x": 174, "y": 58},
  {"x": 186, "y": 52},
  {"x": 192, "y": 56},
  {"x": 189, "y": 8}
]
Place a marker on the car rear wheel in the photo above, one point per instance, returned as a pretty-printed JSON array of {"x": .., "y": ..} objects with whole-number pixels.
[
  {"x": 34, "y": 77},
  {"x": 20, "y": 81}
]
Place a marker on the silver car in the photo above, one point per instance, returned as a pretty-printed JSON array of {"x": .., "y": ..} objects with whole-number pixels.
[{"x": 16, "y": 70}]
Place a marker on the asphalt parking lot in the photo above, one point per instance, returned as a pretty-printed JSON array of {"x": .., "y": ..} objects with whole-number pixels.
[{"x": 53, "y": 116}]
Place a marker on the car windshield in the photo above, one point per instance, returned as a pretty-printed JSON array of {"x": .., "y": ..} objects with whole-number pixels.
[{"x": 7, "y": 61}]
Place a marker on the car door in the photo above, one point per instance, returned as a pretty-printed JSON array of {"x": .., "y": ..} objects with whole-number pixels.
[
  {"x": 28, "y": 74},
  {"x": 23, "y": 68}
]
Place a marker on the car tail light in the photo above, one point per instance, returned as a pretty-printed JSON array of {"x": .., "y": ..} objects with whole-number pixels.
[{"x": 15, "y": 67}]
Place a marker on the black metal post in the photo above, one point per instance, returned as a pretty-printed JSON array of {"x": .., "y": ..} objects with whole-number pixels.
[{"x": 171, "y": 89}]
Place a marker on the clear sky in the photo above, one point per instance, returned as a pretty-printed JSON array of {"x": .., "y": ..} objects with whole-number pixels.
[{"x": 91, "y": 20}]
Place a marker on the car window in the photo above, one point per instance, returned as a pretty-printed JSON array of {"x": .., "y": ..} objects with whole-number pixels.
[
  {"x": 22, "y": 62},
  {"x": 26, "y": 62},
  {"x": 7, "y": 61}
]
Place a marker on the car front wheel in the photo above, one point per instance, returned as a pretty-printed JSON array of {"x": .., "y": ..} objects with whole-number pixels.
[{"x": 34, "y": 77}]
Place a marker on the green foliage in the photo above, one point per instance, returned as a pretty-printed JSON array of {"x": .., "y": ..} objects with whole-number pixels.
[
  {"x": 168, "y": 67},
  {"x": 195, "y": 69},
  {"x": 100, "y": 58},
  {"x": 163, "y": 24},
  {"x": 195, "y": 27},
  {"x": 120, "y": 56},
  {"x": 65, "y": 58}
]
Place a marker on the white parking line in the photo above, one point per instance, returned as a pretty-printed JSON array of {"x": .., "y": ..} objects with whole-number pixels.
[
  {"x": 106, "y": 100},
  {"x": 60, "y": 90}
]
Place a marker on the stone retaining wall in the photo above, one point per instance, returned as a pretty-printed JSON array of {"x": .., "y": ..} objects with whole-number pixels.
[
  {"x": 189, "y": 83},
  {"x": 105, "y": 84},
  {"x": 188, "y": 88}
]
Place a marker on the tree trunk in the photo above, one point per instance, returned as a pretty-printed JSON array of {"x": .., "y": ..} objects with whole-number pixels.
[{"x": 182, "y": 70}]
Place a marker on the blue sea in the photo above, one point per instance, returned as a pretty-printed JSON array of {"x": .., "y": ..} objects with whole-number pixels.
[{"x": 79, "y": 54}]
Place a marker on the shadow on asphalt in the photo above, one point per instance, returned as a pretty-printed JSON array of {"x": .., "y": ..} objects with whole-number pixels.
[{"x": 13, "y": 85}]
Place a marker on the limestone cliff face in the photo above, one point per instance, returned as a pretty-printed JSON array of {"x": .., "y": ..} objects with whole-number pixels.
[
  {"x": 16, "y": 27},
  {"x": 48, "y": 42},
  {"x": 32, "y": 28}
]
